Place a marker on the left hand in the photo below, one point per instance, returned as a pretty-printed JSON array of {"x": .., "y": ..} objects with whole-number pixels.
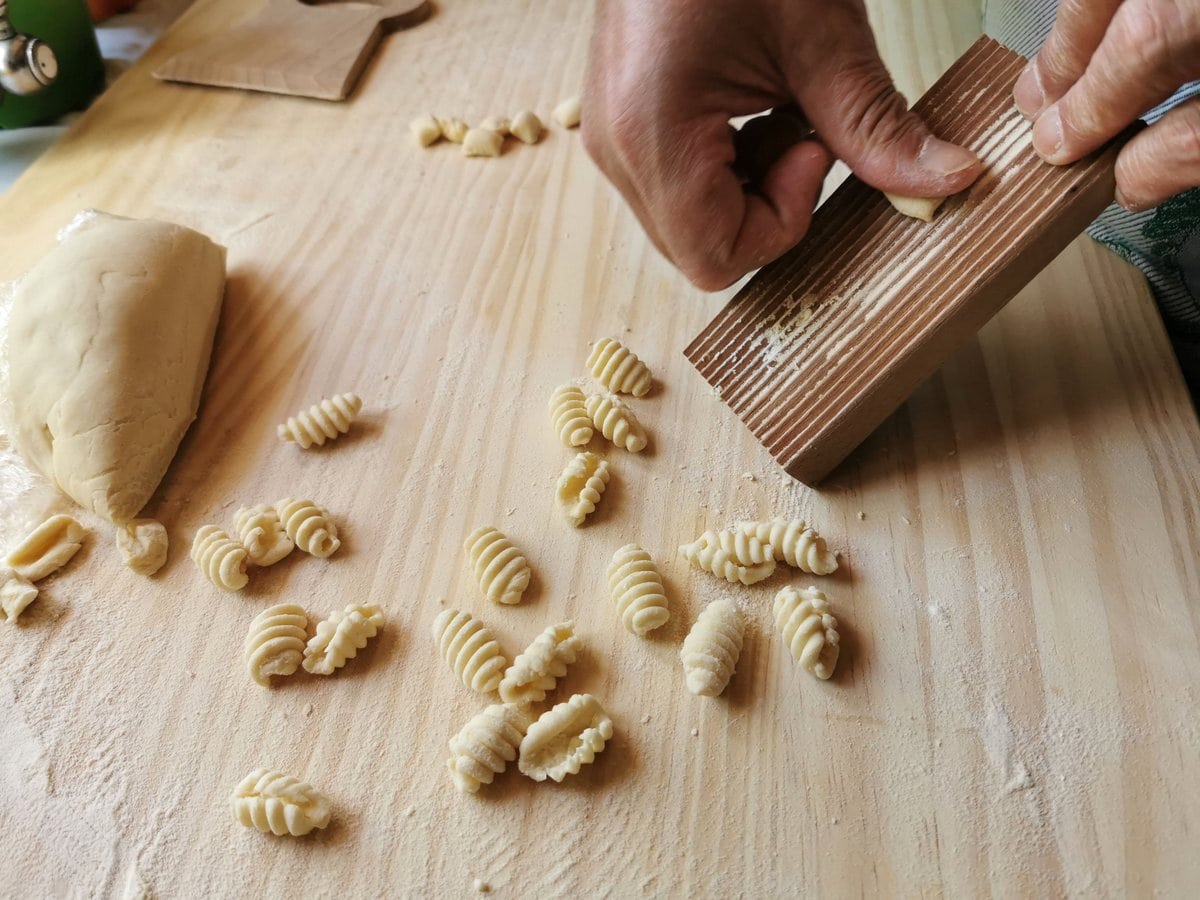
[{"x": 1106, "y": 63}]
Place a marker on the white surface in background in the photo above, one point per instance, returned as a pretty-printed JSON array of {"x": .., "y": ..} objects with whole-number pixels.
[{"x": 122, "y": 40}]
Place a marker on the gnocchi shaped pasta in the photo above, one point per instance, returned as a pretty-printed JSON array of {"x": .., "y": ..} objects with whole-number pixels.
[
  {"x": 220, "y": 558},
  {"x": 734, "y": 556},
  {"x": 340, "y": 637},
  {"x": 500, "y": 568},
  {"x": 425, "y": 131},
  {"x": 809, "y": 629},
  {"x": 795, "y": 543},
  {"x": 534, "y": 673},
  {"x": 454, "y": 130},
  {"x": 568, "y": 113},
  {"x": 482, "y": 141},
  {"x": 527, "y": 127},
  {"x": 309, "y": 527},
  {"x": 486, "y": 745},
  {"x": 564, "y": 739},
  {"x": 143, "y": 544},
  {"x": 569, "y": 412},
  {"x": 16, "y": 593},
  {"x": 637, "y": 590},
  {"x": 618, "y": 368},
  {"x": 321, "y": 422},
  {"x": 275, "y": 642},
  {"x": 279, "y": 804},
  {"x": 711, "y": 649},
  {"x": 47, "y": 549},
  {"x": 470, "y": 649},
  {"x": 581, "y": 485},
  {"x": 262, "y": 534},
  {"x": 616, "y": 421}
]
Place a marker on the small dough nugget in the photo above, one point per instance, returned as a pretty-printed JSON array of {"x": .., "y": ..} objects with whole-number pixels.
[
  {"x": 922, "y": 208},
  {"x": 109, "y": 343},
  {"x": 568, "y": 113},
  {"x": 482, "y": 142}
]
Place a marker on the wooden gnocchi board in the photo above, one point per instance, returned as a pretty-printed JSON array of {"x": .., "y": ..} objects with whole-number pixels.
[{"x": 1015, "y": 710}]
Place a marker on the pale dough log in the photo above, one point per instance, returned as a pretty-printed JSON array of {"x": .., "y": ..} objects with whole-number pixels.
[{"x": 109, "y": 344}]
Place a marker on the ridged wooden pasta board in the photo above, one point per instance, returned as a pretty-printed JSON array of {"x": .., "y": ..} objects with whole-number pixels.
[
  {"x": 825, "y": 343},
  {"x": 1014, "y": 710}
]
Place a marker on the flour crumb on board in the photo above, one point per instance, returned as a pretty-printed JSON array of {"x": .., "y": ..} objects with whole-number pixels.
[
  {"x": 861, "y": 516},
  {"x": 308, "y": 709},
  {"x": 410, "y": 812},
  {"x": 646, "y": 719},
  {"x": 695, "y": 732},
  {"x": 906, "y": 520},
  {"x": 482, "y": 886},
  {"x": 748, "y": 476}
]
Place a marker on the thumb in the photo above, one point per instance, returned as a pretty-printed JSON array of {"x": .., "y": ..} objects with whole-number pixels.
[{"x": 848, "y": 96}]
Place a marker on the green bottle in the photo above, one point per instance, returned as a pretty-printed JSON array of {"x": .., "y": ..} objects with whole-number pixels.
[{"x": 66, "y": 27}]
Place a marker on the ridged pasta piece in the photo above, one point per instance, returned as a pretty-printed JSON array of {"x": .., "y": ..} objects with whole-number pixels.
[
  {"x": 731, "y": 555},
  {"x": 16, "y": 593},
  {"x": 711, "y": 649},
  {"x": 486, "y": 745},
  {"x": 470, "y": 649},
  {"x": 581, "y": 485},
  {"x": 279, "y": 804},
  {"x": 616, "y": 421},
  {"x": 500, "y": 568},
  {"x": 143, "y": 544},
  {"x": 809, "y": 629},
  {"x": 47, "y": 549},
  {"x": 309, "y": 527},
  {"x": 275, "y": 642},
  {"x": 637, "y": 590},
  {"x": 565, "y": 738},
  {"x": 795, "y": 543},
  {"x": 321, "y": 422},
  {"x": 618, "y": 368},
  {"x": 341, "y": 636},
  {"x": 220, "y": 558},
  {"x": 262, "y": 534},
  {"x": 569, "y": 413},
  {"x": 534, "y": 673}
]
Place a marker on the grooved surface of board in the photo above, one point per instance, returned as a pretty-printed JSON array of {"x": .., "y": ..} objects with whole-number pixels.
[
  {"x": 826, "y": 342},
  {"x": 1014, "y": 709}
]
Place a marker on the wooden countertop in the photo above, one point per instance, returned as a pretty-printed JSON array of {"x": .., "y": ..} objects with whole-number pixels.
[{"x": 1015, "y": 710}]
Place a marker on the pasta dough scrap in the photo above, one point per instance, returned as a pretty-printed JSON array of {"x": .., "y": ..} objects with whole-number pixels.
[
  {"x": 16, "y": 593},
  {"x": 453, "y": 130},
  {"x": 569, "y": 112},
  {"x": 922, "y": 208},
  {"x": 324, "y": 421},
  {"x": 734, "y": 556},
  {"x": 569, "y": 411},
  {"x": 809, "y": 629},
  {"x": 486, "y": 745},
  {"x": 581, "y": 485},
  {"x": 618, "y": 368},
  {"x": 637, "y": 590},
  {"x": 340, "y": 637},
  {"x": 565, "y": 738},
  {"x": 109, "y": 342},
  {"x": 500, "y": 568},
  {"x": 47, "y": 549},
  {"x": 309, "y": 527},
  {"x": 616, "y": 421},
  {"x": 711, "y": 649},
  {"x": 795, "y": 542},
  {"x": 220, "y": 558},
  {"x": 470, "y": 649},
  {"x": 275, "y": 642},
  {"x": 527, "y": 127},
  {"x": 534, "y": 673},
  {"x": 143, "y": 544},
  {"x": 262, "y": 534},
  {"x": 280, "y": 804}
]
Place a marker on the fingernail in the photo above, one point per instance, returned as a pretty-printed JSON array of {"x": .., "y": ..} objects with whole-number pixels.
[
  {"x": 1048, "y": 135},
  {"x": 943, "y": 159},
  {"x": 1128, "y": 205},
  {"x": 1028, "y": 93}
]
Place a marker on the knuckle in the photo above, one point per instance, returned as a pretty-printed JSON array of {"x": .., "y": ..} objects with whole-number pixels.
[
  {"x": 879, "y": 114},
  {"x": 1155, "y": 35}
]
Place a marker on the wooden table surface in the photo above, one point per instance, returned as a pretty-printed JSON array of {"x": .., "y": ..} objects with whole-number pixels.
[{"x": 1015, "y": 712}]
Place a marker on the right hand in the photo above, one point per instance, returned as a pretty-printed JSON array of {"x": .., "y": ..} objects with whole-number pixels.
[{"x": 664, "y": 79}]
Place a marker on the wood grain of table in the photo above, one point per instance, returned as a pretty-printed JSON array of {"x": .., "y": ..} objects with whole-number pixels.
[{"x": 1015, "y": 709}]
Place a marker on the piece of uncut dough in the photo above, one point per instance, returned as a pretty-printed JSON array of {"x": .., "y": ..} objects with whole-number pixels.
[
  {"x": 922, "y": 208},
  {"x": 109, "y": 342}
]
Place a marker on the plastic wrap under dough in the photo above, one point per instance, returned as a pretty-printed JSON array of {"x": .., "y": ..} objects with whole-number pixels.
[{"x": 108, "y": 346}]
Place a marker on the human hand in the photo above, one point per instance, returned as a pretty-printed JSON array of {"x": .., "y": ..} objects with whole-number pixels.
[
  {"x": 664, "y": 79},
  {"x": 1106, "y": 63}
]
